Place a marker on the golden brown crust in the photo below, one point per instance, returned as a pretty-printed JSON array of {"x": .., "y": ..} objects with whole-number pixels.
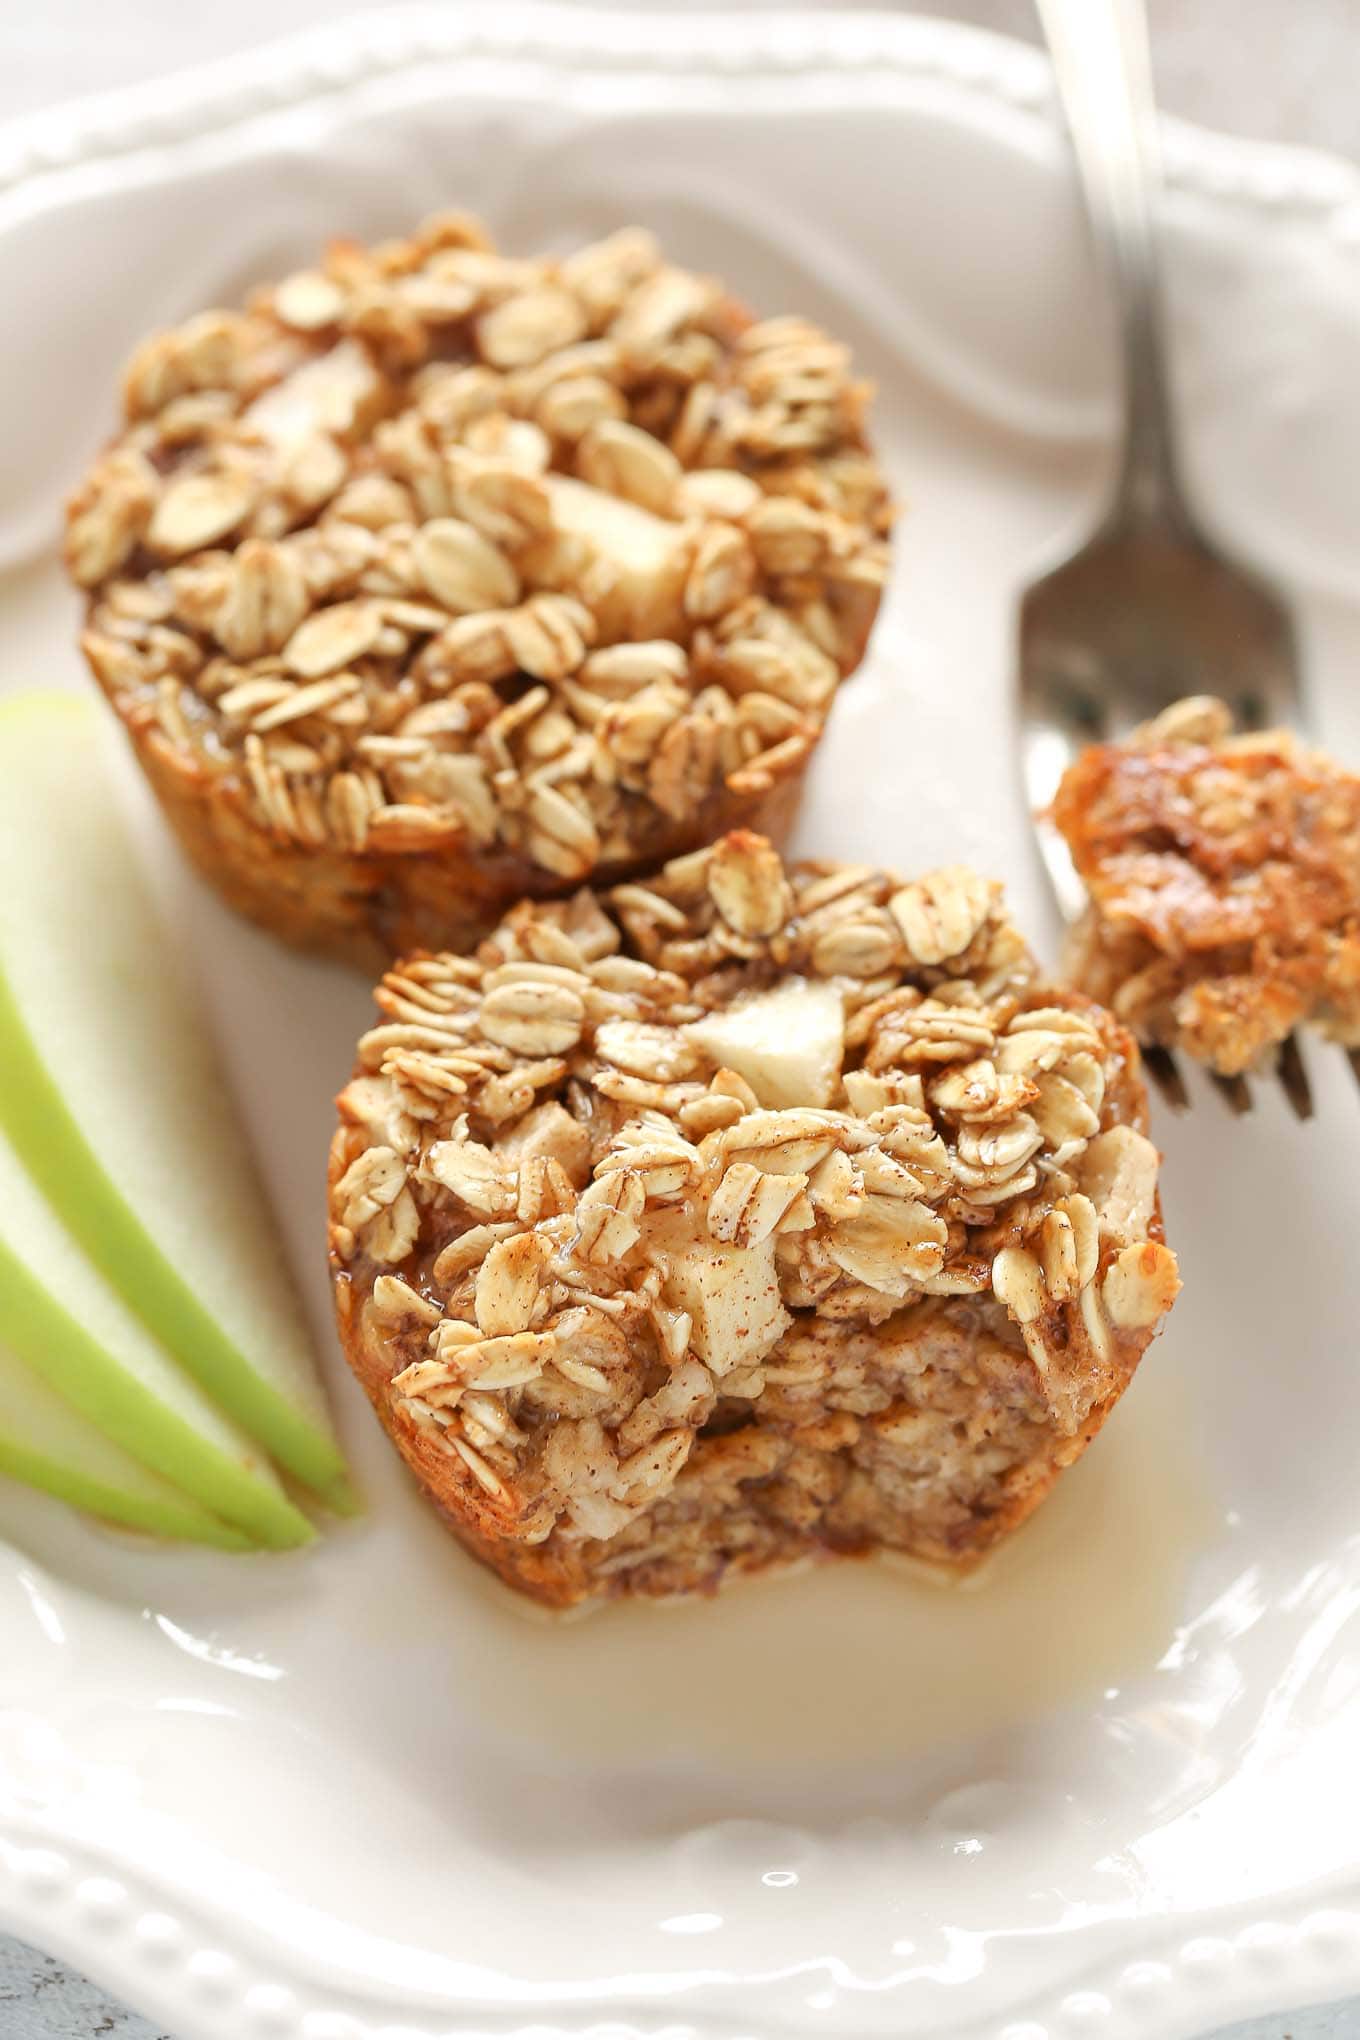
[
  {"x": 1224, "y": 875},
  {"x": 646, "y": 1300},
  {"x": 560, "y": 1575},
  {"x": 435, "y": 578}
]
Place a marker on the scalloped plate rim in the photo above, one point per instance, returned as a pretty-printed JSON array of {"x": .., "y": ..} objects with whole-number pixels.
[{"x": 287, "y": 71}]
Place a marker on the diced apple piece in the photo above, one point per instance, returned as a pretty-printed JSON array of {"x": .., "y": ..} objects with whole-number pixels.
[
  {"x": 1118, "y": 1172},
  {"x": 337, "y": 392},
  {"x": 112, "y": 1096},
  {"x": 788, "y": 1043},
  {"x": 61, "y": 1317},
  {"x": 731, "y": 1294},
  {"x": 47, "y": 1444},
  {"x": 637, "y": 561}
]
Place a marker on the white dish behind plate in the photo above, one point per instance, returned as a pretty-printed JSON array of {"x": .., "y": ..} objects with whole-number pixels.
[{"x": 1110, "y": 1789}]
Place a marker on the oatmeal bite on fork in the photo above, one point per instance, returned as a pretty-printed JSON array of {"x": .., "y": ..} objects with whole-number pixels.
[
  {"x": 753, "y": 1212},
  {"x": 1224, "y": 878},
  {"x": 436, "y": 577}
]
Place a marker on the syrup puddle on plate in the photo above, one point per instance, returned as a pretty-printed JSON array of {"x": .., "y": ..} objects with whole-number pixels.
[{"x": 865, "y": 1659}]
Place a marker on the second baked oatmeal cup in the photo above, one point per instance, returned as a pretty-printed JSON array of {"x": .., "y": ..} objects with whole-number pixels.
[{"x": 436, "y": 578}]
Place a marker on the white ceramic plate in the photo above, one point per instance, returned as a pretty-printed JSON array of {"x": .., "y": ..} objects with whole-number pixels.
[{"x": 1111, "y": 1791}]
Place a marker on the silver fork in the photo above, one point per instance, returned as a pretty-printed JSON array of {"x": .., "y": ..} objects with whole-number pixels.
[{"x": 1147, "y": 611}]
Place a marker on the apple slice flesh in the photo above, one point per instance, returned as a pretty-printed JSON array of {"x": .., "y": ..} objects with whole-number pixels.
[
  {"x": 111, "y": 1093},
  {"x": 73, "y": 1329},
  {"x": 48, "y": 1445}
]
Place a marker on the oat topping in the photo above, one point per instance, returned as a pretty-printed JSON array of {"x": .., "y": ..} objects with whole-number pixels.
[
  {"x": 431, "y": 546},
  {"x": 672, "y": 1152},
  {"x": 1224, "y": 874}
]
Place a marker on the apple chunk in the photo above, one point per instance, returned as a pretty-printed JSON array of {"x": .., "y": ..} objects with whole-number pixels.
[
  {"x": 110, "y": 1093},
  {"x": 636, "y": 561},
  {"x": 334, "y": 392},
  {"x": 788, "y": 1043},
  {"x": 47, "y": 1444},
  {"x": 731, "y": 1294},
  {"x": 62, "y": 1318}
]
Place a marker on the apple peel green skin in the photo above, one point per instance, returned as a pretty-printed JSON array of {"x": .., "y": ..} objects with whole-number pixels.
[
  {"x": 48, "y": 1445},
  {"x": 88, "y": 970},
  {"x": 69, "y": 1325}
]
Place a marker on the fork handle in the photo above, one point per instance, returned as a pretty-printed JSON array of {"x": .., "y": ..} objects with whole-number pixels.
[{"x": 1100, "y": 59}]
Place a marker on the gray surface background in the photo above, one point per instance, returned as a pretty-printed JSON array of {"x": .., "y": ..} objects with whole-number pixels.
[{"x": 1281, "y": 70}]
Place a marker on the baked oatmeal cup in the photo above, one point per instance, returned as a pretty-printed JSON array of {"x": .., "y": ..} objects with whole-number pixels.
[
  {"x": 1224, "y": 878},
  {"x": 756, "y": 1212},
  {"x": 436, "y": 578}
]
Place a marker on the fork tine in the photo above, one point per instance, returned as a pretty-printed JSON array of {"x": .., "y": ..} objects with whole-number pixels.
[
  {"x": 1164, "y": 1071},
  {"x": 1294, "y": 1078},
  {"x": 1235, "y": 1092}
]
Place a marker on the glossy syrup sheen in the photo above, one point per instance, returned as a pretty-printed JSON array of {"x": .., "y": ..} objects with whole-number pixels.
[{"x": 867, "y": 1660}]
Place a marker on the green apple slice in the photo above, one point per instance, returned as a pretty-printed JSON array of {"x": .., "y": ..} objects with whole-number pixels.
[
  {"x": 47, "y": 1444},
  {"x": 60, "y": 1316},
  {"x": 111, "y": 1094}
]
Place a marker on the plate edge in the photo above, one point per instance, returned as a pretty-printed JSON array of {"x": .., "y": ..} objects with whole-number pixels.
[
  {"x": 286, "y": 72},
  {"x": 132, "y": 1943}
]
